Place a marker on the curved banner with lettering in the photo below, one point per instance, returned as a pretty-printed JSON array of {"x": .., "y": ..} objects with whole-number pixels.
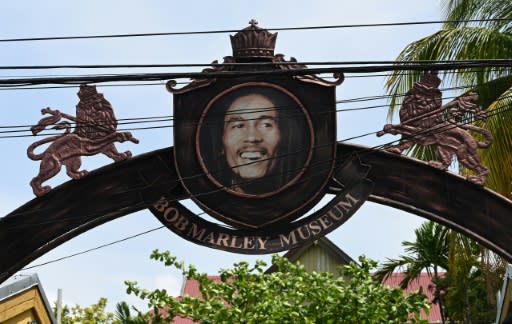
[{"x": 349, "y": 182}]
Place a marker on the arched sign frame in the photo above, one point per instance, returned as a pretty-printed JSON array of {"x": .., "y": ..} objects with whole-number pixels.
[{"x": 125, "y": 187}]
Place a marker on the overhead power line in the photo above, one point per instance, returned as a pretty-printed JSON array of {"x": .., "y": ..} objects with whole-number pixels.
[
  {"x": 223, "y": 31},
  {"x": 363, "y": 151},
  {"x": 245, "y": 64},
  {"x": 267, "y": 73},
  {"x": 94, "y": 248},
  {"x": 10, "y": 129},
  {"x": 162, "y": 82}
]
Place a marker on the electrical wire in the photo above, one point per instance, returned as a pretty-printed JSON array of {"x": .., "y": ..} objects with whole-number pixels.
[
  {"x": 403, "y": 137},
  {"x": 242, "y": 64},
  {"x": 151, "y": 119},
  {"x": 154, "y": 229},
  {"x": 420, "y": 134},
  {"x": 267, "y": 73},
  {"x": 223, "y": 31},
  {"x": 158, "y": 119},
  {"x": 93, "y": 249},
  {"x": 159, "y": 83}
]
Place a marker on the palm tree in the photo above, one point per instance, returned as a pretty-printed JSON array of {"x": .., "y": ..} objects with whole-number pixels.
[
  {"x": 462, "y": 39},
  {"x": 429, "y": 252},
  {"x": 475, "y": 29},
  {"x": 123, "y": 315},
  {"x": 468, "y": 298}
]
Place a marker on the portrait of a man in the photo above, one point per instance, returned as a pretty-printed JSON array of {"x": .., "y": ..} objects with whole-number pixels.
[{"x": 254, "y": 140}]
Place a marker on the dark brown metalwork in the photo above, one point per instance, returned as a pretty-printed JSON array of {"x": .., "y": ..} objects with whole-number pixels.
[
  {"x": 254, "y": 44},
  {"x": 95, "y": 133},
  {"x": 75, "y": 207},
  {"x": 425, "y": 120},
  {"x": 260, "y": 225},
  {"x": 200, "y": 154},
  {"x": 122, "y": 188},
  {"x": 221, "y": 168},
  {"x": 352, "y": 191}
]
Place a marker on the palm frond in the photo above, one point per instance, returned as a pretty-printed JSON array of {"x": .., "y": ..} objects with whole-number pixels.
[
  {"x": 122, "y": 312},
  {"x": 457, "y": 12},
  {"x": 498, "y": 157},
  {"x": 465, "y": 43},
  {"x": 428, "y": 253}
]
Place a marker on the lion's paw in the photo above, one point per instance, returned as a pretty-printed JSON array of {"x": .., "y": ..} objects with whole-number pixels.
[{"x": 437, "y": 165}]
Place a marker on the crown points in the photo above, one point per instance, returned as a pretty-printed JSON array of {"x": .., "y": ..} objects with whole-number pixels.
[{"x": 253, "y": 42}]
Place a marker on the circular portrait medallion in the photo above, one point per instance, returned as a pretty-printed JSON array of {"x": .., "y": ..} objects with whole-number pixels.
[{"x": 254, "y": 139}]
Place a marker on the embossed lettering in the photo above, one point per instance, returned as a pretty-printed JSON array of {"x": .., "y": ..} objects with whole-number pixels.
[
  {"x": 315, "y": 228},
  {"x": 161, "y": 204},
  {"x": 249, "y": 243},
  {"x": 262, "y": 243},
  {"x": 325, "y": 222},
  {"x": 171, "y": 214},
  {"x": 301, "y": 234},
  {"x": 181, "y": 223},
  {"x": 348, "y": 203},
  {"x": 233, "y": 242},
  {"x": 210, "y": 237},
  {"x": 285, "y": 240},
  {"x": 335, "y": 214},
  {"x": 193, "y": 231},
  {"x": 223, "y": 238}
]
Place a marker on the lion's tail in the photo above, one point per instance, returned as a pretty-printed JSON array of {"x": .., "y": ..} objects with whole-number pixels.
[
  {"x": 486, "y": 133},
  {"x": 32, "y": 147}
]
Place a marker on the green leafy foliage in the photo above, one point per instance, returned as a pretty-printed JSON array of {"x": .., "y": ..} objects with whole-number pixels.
[
  {"x": 464, "y": 292},
  {"x": 97, "y": 314},
  {"x": 245, "y": 294},
  {"x": 474, "y": 273},
  {"x": 94, "y": 314},
  {"x": 428, "y": 253},
  {"x": 469, "y": 295},
  {"x": 462, "y": 40}
]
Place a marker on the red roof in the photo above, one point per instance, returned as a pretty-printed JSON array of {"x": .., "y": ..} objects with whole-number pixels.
[
  {"x": 191, "y": 288},
  {"x": 425, "y": 282}
]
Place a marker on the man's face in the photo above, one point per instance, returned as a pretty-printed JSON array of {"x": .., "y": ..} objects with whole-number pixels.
[{"x": 251, "y": 136}]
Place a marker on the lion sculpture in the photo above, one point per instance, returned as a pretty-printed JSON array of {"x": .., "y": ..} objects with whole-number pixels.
[
  {"x": 95, "y": 132},
  {"x": 425, "y": 121}
]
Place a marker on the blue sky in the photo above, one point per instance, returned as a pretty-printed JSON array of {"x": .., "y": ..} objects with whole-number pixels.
[{"x": 375, "y": 231}]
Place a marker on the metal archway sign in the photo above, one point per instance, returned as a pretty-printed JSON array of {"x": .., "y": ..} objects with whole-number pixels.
[
  {"x": 136, "y": 184},
  {"x": 256, "y": 154}
]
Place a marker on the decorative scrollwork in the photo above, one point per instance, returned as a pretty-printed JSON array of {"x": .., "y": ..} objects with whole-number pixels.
[
  {"x": 202, "y": 82},
  {"x": 254, "y": 45},
  {"x": 279, "y": 59}
]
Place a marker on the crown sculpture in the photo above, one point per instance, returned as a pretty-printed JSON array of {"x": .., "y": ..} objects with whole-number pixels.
[
  {"x": 252, "y": 45},
  {"x": 253, "y": 42}
]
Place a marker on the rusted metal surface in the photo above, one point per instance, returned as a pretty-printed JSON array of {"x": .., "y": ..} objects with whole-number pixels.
[
  {"x": 95, "y": 133},
  {"x": 120, "y": 189},
  {"x": 425, "y": 120}
]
